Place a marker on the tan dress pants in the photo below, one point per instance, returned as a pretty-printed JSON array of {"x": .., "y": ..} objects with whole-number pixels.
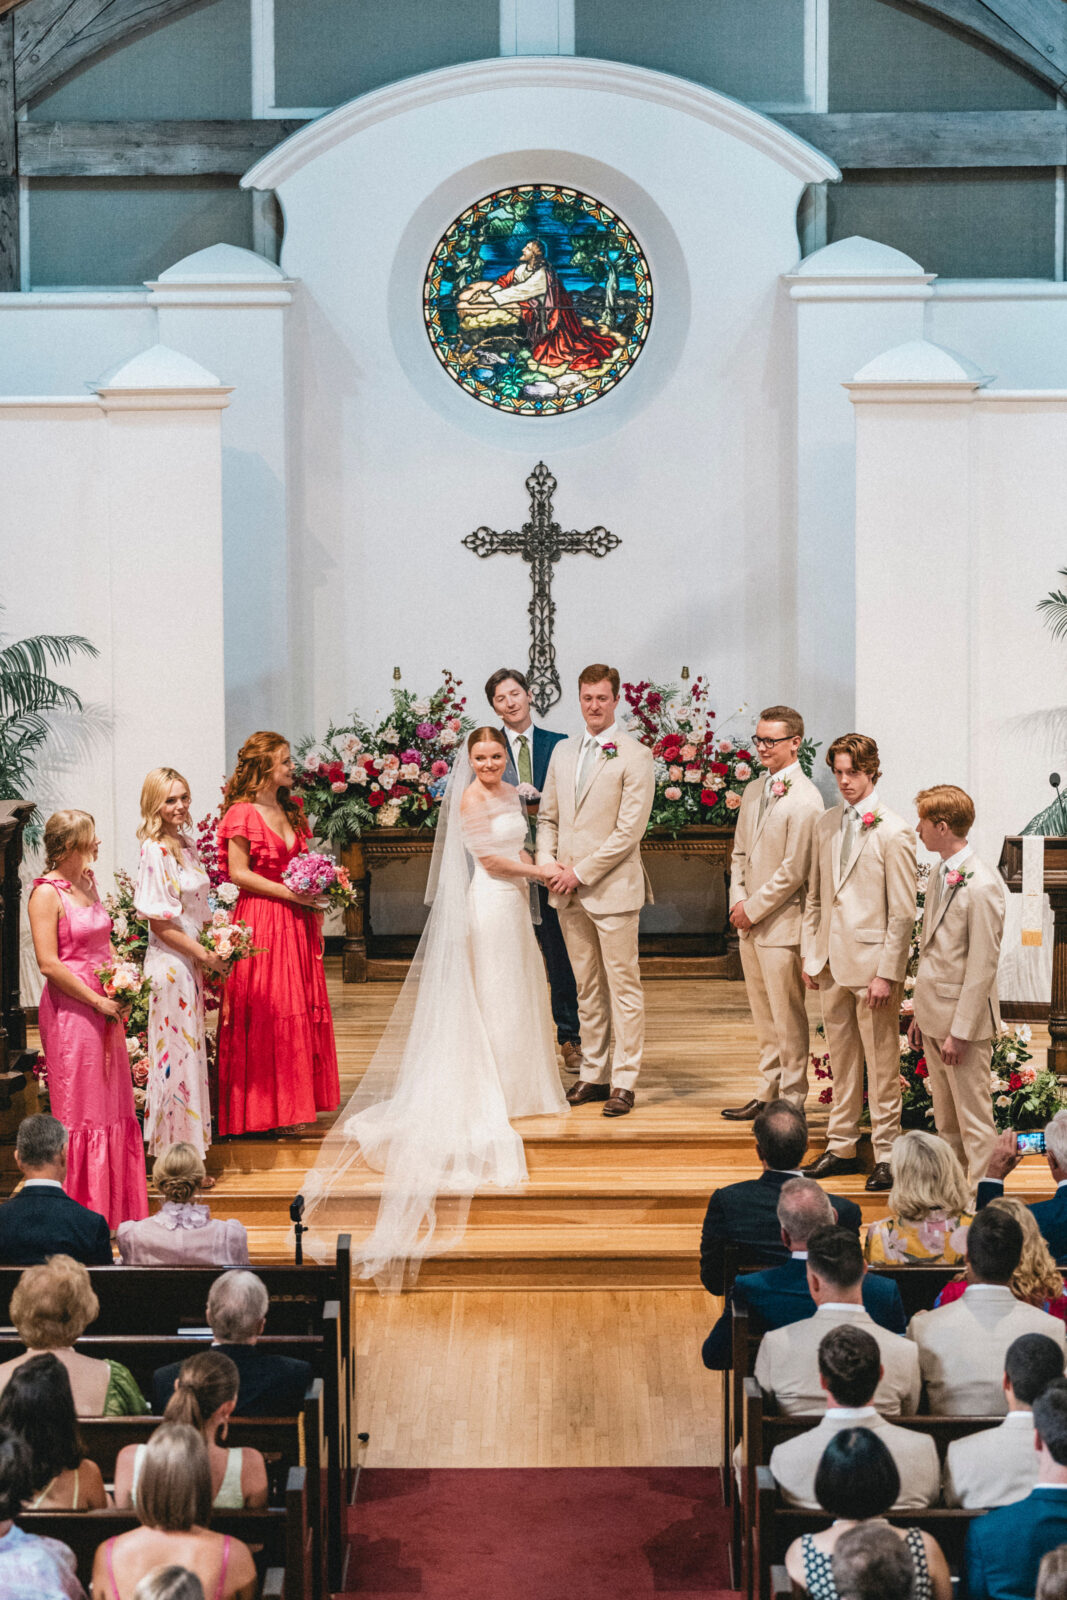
[
  {"x": 963, "y": 1109},
  {"x": 854, "y": 1034},
  {"x": 776, "y": 998},
  {"x": 603, "y": 952}
]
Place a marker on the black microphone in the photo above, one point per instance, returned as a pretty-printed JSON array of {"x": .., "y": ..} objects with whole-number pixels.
[{"x": 1054, "y": 780}]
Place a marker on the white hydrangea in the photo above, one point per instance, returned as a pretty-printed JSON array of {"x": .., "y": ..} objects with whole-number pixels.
[{"x": 390, "y": 736}]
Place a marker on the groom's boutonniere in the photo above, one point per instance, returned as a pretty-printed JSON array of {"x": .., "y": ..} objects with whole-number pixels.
[
  {"x": 957, "y": 876},
  {"x": 869, "y": 820},
  {"x": 610, "y": 750},
  {"x": 781, "y": 787}
]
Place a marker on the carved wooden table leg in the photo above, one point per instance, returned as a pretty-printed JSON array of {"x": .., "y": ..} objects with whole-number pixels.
[{"x": 354, "y": 954}]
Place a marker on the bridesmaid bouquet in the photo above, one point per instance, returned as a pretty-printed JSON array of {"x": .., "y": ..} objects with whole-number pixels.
[
  {"x": 125, "y": 982},
  {"x": 313, "y": 873},
  {"x": 230, "y": 940}
]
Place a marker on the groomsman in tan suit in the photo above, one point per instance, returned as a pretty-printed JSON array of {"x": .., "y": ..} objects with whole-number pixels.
[
  {"x": 594, "y": 810},
  {"x": 956, "y": 1009},
  {"x": 768, "y": 873},
  {"x": 858, "y": 921}
]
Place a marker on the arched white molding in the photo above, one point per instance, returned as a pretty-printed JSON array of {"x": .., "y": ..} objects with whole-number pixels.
[{"x": 573, "y": 73}]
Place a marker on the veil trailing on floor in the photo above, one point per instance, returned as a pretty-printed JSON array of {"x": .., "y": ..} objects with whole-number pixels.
[{"x": 428, "y": 1124}]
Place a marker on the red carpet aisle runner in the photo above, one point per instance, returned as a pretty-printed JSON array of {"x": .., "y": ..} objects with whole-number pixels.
[{"x": 532, "y": 1533}]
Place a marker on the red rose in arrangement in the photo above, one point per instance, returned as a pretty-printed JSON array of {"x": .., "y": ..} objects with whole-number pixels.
[
  {"x": 376, "y": 797},
  {"x": 720, "y": 768},
  {"x": 1015, "y": 1082},
  {"x": 744, "y": 755},
  {"x": 921, "y": 1069},
  {"x": 708, "y": 797}
]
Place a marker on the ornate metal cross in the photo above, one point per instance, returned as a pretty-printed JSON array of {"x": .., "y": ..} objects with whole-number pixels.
[{"x": 541, "y": 542}]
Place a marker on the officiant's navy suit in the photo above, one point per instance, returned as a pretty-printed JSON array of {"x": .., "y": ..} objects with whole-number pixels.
[
  {"x": 549, "y": 935},
  {"x": 780, "y": 1295}
]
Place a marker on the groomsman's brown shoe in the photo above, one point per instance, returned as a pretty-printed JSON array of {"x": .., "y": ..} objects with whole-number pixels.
[
  {"x": 830, "y": 1166},
  {"x": 746, "y": 1113},
  {"x": 572, "y": 1056},
  {"x": 618, "y": 1103},
  {"x": 580, "y": 1093},
  {"x": 881, "y": 1178}
]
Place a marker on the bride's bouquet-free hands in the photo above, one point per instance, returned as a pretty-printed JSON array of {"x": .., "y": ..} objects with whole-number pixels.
[{"x": 320, "y": 876}]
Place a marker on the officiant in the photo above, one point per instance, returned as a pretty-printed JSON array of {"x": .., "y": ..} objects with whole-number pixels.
[{"x": 530, "y": 750}]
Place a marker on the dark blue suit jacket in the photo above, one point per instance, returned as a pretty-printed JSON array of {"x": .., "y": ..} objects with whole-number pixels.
[
  {"x": 542, "y": 746},
  {"x": 1004, "y": 1548},
  {"x": 746, "y": 1214},
  {"x": 1050, "y": 1215},
  {"x": 268, "y": 1385},
  {"x": 780, "y": 1295},
  {"x": 38, "y": 1223}
]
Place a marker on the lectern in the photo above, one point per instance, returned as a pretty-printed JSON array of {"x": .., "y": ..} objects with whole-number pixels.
[{"x": 1011, "y": 870}]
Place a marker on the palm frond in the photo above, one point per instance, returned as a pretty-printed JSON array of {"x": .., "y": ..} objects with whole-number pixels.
[
  {"x": 1054, "y": 610},
  {"x": 31, "y": 691},
  {"x": 44, "y": 650}
]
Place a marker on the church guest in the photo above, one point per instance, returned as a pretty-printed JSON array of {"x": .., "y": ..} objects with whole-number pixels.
[
  {"x": 29, "y": 1563},
  {"x": 780, "y": 1294},
  {"x": 768, "y": 874},
  {"x": 999, "y": 1465},
  {"x": 172, "y": 894},
  {"x": 787, "y": 1363},
  {"x": 956, "y": 1010},
  {"x": 856, "y": 1483},
  {"x": 928, "y": 1218},
  {"x": 530, "y": 750},
  {"x": 858, "y": 922},
  {"x": 83, "y": 1035},
  {"x": 1050, "y": 1215},
  {"x": 1005, "y": 1548},
  {"x": 872, "y": 1562},
  {"x": 594, "y": 811},
  {"x": 1036, "y": 1280},
  {"x": 850, "y": 1366},
  {"x": 746, "y": 1213},
  {"x": 270, "y": 1385},
  {"x": 962, "y": 1347},
  {"x": 170, "y": 1583},
  {"x": 182, "y": 1233},
  {"x": 277, "y": 1062},
  {"x": 205, "y": 1397},
  {"x": 37, "y": 1403},
  {"x": 51, "y": 1308},
  {"x": 41, "y": 1220},
  {"x": 174, "y": 1509}
]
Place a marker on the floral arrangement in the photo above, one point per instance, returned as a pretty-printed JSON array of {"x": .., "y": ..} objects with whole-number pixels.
[
  {"x": 319, "y": 875},
  {"x": 231, "y": 941},
  {"x": 700, "y": 774},
  {"x": 387, "y": 774}
]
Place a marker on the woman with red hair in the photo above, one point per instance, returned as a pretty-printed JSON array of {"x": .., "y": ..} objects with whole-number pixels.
[{"x": 277, "y": 1062}]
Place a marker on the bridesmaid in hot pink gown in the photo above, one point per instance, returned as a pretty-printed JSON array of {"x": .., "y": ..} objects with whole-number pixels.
[{"x": 83, "y": 1035}]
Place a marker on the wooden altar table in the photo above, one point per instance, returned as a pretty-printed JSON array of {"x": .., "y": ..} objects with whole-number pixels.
[{"x": 368, "y": 957}]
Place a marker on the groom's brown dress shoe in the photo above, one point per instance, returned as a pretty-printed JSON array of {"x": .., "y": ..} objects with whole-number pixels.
[
  {"x": 881, "y": 1178},
  {"x": 619, "y": 1102},
  {"x": 580, "y": 1093},
  {"x": 572, "y": 1056},
  {"x": 746, "y": 1113},
  {"x": 830, "y": 1166}
]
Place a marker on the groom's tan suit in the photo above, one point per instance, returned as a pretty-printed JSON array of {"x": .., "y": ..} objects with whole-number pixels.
[
  {"x": 769, "y": 872},
  {"x": 956, "y": 993},
  {"x": 858, "y": 922},
  {"x": 598, "y": 833}
]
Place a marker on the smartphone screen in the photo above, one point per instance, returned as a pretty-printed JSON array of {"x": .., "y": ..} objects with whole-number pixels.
[{"x": 1031, "y": 1144}]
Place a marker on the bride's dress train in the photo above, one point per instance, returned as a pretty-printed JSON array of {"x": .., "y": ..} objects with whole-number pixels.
[{"x": 470, "y": 1044}]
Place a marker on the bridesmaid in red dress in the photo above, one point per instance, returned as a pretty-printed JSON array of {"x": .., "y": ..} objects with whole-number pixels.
[{"x": 277, "y": 1062}]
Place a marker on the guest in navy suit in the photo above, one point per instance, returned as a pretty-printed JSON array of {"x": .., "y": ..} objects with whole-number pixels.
[
  {"x": 781, "y": 1295},
  {"x": 1005, "y": 1548},
  {"x": 42, "y": 1220},
  {"x": 1050, "y": 1215},
  {"x": 530, "y": 750},
  {"x": 746, "y": 1214},
  {"x": 269, "y": 1385}
]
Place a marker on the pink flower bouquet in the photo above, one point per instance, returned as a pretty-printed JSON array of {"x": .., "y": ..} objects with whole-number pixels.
[
  {"x": 314, "y": 873},
  {"x": 232, "y": 941}
]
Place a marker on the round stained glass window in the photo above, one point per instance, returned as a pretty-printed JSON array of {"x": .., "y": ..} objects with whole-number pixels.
[{"x": 538, "y": 300}]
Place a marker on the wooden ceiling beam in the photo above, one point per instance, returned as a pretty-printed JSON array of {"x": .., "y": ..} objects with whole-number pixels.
[
  {"x": 52, "y": 37},
  {"x": 146, "y": 149},
  {"x": 1032, "y": 33}
]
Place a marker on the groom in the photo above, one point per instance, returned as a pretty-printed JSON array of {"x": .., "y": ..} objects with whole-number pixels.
[{"x": 594, "y": 810}]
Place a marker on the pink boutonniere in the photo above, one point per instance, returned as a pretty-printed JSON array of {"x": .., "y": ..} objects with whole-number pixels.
[
  {"x": 954, "y": 878},
  {"x": 610, "y": 750},
  {"x": 869, "y": 820},
  {"x": 780, "y": 787}
]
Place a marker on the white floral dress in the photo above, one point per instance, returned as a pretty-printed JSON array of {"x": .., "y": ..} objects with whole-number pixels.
[{"x": 178, "y": 1105}]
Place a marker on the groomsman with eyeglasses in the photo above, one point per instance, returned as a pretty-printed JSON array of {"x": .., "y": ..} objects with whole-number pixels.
[
  {"x": 768, "y": 873},
  {"x": 530, "y": 750},
  {"x": 858, "y": 922}
]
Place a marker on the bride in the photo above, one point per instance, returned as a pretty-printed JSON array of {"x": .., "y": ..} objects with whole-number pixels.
[{"x": 469, "y": 1045}]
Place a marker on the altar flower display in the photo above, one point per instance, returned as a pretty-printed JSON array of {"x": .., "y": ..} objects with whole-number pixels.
[
  {"x": 312, "y": 873},
  {"x": 383, "y": 773}
]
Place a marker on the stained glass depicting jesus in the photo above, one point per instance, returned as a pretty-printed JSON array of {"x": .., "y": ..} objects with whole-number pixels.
[{"x": 558, "y": 341}]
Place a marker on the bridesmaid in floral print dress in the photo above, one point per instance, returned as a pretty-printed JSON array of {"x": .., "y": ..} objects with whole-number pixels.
[{"x": 172, "y": 893}]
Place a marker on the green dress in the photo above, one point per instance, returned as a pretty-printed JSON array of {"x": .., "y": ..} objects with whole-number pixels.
[{"x": 123, "y": 1398}]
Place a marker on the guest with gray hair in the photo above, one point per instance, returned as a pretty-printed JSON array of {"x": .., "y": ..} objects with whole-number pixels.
[
  {"x": 1050, "y": 1215},
  {"x": 872, "y": 1562},
  {"x": 41, "y": 1220},
  {"x": 270, "y": 1386},
  {"x": 780, "y": 1295}
]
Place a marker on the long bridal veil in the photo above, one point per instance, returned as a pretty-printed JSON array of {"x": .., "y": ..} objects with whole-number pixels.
[{"x": 428, "y": 1124}]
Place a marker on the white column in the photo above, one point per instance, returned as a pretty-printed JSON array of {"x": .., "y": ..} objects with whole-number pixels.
[
  {"x": 226, "y": 308},
  {"x": 851, "y": 300},
  {"x": 164, "y": 558}
]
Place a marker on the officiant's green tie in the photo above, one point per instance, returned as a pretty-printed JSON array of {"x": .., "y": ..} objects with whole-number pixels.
[{"x": 525, "y": 764}]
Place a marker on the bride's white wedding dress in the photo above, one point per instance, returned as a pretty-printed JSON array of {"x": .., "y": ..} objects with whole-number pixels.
[{"x": 470, "y": 1044}]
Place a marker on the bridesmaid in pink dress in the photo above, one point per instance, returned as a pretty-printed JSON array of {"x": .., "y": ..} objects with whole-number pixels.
[
  {"x": 82, "y": 1032},
  {"x": 277, "y": 1062}
]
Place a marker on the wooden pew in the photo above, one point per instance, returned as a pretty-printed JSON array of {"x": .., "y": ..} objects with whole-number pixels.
[{"x": 280, "y": 1537}]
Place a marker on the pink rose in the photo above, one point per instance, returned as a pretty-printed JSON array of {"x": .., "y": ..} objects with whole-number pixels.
[
  {"x": 338, "y": 788},
  {"x": 439, "y": 769},
  {"x": 692, "y": 774},
  {"x": 725, "y": 746},
  {"x": 688, "y": 752},
  {"x": 673, "y": 793},
  {"x": 868, "y": 821},
  {"x": 732, "y": 801},
  {"x": 675, "y": 774},
  {"x": 743, "y": 771}
]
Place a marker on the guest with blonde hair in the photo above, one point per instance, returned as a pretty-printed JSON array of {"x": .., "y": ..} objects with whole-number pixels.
[
  {"x": 51, "y": 1308},
  {"x": 174, "y": 1508},
  {"x": 172, "y": 894},
  {"x": 928, "y": 1218},
  {"x": 182, "y": 1232},
  {"x": 1036, "y": 1279},
  {"x": 83, "y": 1033}
]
